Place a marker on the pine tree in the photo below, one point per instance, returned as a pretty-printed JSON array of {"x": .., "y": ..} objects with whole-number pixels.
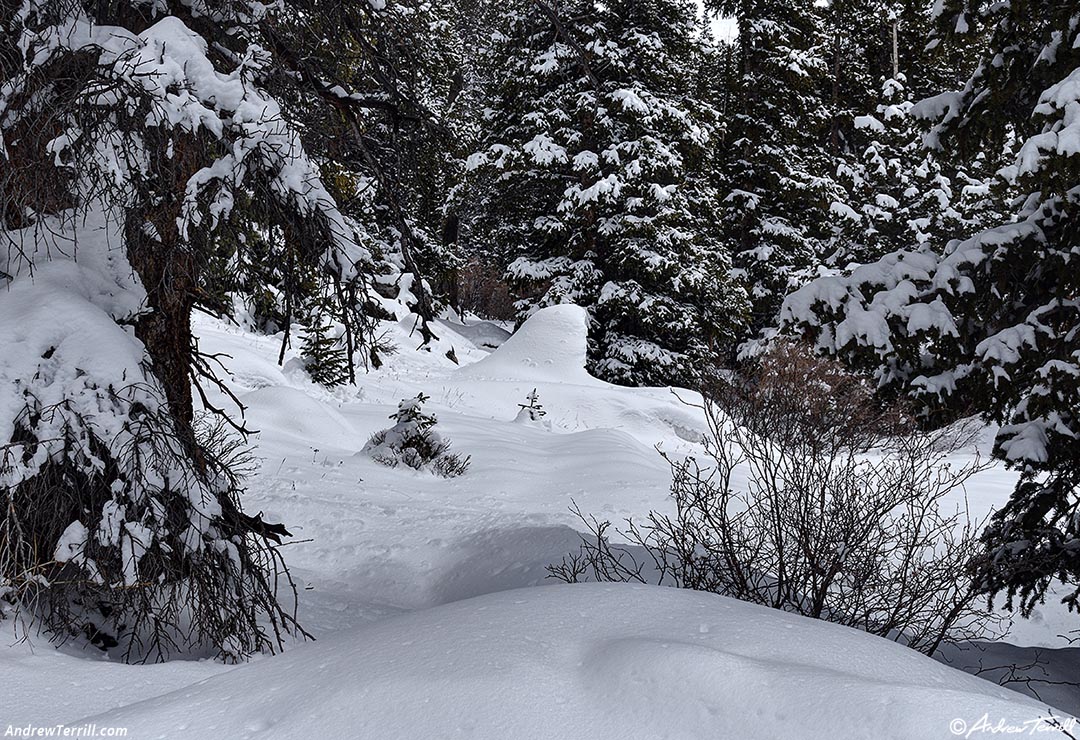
[
  {"x": 776, "y": 182},
  {"x": 386, "y": 89},
  {"x": 413, "y": 442},
  {"x": 929, "y": 67},
  {"x": 148, "y": 139},
  {"x": 899, "y": 194},
  {"x": 593, "y": 183},
  {"x": 375, "y": 109},
  {"x": 992, "y": 322},
  {"x": 323, "y": 349},
  {"x": 532, "y": 411},
  {"x": 856, "y": 41}
]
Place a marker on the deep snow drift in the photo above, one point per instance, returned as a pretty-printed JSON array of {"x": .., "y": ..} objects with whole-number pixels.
[
  {"x": 551, "y": 346},
  {"x": 384, "y": 558},
  {"x": 597, "y": 661}
]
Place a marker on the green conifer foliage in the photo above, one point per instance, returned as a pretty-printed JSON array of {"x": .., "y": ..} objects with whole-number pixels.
[
  {"x": 992, "y": 322},
  {"x": 593, "y": 181}
]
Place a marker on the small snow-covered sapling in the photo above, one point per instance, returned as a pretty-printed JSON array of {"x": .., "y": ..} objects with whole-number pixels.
[
  {"x": 532, "y": 412},
  {"x": 533, "y": 409},
  {"x": 413, "y": 442}
]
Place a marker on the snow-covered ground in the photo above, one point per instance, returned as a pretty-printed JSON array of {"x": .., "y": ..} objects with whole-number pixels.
[
  {"x": 588, "y": 661},
  {"x": 388, "y": 561}
]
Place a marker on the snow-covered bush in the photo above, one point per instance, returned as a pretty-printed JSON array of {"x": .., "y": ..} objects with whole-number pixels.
[
  {"x": 842, "y": 516},
  {"x": 413, "y": 442}
]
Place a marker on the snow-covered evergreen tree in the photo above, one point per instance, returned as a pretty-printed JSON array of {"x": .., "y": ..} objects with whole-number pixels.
[
  {"x": 992, "y": 322},
  {"x": 387, "y": 88},
  {"x": 776, "y": 184},
  {"x": 897, "y": 193},
  {"x": 413, "y": 442},
  {"x": 855, "y": 37},
  {"x": 592, "y": 182},
  {"x": 324, "y": 348},
  {"x": 929, "y": 67},
  {"x": 532, "y": 412},
  {"x": 135, "y": 137}
]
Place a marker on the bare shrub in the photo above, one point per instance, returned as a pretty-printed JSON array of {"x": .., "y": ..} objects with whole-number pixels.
[
  {"x": 842, "y": 515},
  {"x": 483, "y": 291}
]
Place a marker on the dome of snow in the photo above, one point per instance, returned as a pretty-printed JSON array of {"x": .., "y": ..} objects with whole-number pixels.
[
  {"x": 550, "y": 346},
  {"x": 294, "y": 412},
  {"x": 597, "y": 661}
]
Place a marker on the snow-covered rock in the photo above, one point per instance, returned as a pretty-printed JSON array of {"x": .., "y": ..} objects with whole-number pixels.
[{"x": 595, "y": 661}]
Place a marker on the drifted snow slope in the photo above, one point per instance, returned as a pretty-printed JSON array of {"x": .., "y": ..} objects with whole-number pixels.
[
  {"x": 388, "y": 560},
  {"x": 584, "y": 661}
]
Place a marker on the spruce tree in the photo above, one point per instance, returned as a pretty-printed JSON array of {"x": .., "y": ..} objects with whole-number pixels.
[
  {"x": 414, "y": 442},
  {"x": 593, "y": 183},
  {"x": 324, "y": 350},
  {"x": 384, "y": 93},
  {"x": 991, "y": 323},
  {"x": 532, "y": 411},
  {"x": 378, "y": 109},
  {"x": 856, "y": 42},
  {"x": 141, "y": 142},
  {"x": 775, "y": 186},
  {"x": 897, "y": 193}
]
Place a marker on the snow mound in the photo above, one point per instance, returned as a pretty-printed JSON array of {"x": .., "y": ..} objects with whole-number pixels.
[
  {"x": 591, "y": 661},
  {"x": 550, "y": 346},
  {"x": 294, "y": 412}
]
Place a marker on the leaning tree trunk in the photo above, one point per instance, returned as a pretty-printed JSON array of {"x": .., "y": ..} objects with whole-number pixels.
[{"x": 169, "y": 267}]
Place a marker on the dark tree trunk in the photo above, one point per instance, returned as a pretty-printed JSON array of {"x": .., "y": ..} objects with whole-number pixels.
[
  {"x": 169, "y": 276},
  {"x": 169, "y": 271}
]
